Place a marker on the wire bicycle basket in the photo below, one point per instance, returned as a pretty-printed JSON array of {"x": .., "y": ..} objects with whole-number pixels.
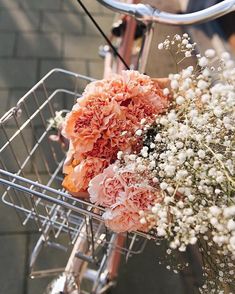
[{"x": 31, "y": 167}]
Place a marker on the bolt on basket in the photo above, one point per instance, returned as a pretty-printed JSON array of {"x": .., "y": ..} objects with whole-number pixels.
[{"x": 31, "y": 167}]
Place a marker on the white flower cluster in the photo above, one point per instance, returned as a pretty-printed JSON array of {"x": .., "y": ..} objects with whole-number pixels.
[
  {"x": 189, "y": 154},
  {"x": 178, "y": 45},
  {"x": 58, "y": 120},
  {"x": 223, "y": 227},
  {"x": 193, "y": 150}
]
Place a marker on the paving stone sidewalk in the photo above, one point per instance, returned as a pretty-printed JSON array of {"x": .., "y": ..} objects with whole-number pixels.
[{"x": 36, "y": 36}]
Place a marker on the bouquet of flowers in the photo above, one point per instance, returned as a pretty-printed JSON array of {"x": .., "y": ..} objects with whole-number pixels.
[{"x": 160, "y": 155}]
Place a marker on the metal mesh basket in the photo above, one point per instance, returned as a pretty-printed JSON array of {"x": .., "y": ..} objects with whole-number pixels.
[{"x": 31, "y": 166}]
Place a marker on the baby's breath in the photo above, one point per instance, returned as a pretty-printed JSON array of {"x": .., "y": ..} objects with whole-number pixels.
[
  {"x": 58, "y": 120},
  {"x": 190, "y": 154},
  {"x": 179, "y": 47}
]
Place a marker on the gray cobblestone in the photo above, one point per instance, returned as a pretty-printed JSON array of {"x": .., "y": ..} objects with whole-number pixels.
[
  {"x": 9, "y": 4},
  {"x": 15, "y": 95},
  {"x": 41, "y": 4},
  {"x": 104, "y": 21},
  {"x": 9, "y": 222},
  {"x": 39, "y": 45},
  {"x": 12, "y": 255},
  {"x": 71, "y": 65},
  {"x": 92, "y": 5},
  {"x": 17, "y": 73},
  {"x": 107, "y": 11},
  {"x": 19, "y": 20},
  {"x": 7, "y": 44},
  {"x": 96, "y": 69},
  {"x": 82, "y": 47},
  {"x": 63, "y": 22},
  {"x": 4, "y": 94}
]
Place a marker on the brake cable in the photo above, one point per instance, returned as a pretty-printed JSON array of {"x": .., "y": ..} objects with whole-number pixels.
[{"x": 115, "y": 51}]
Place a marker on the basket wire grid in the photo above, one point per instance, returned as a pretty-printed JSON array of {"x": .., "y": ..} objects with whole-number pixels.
[{"x": 31, "y": 167}]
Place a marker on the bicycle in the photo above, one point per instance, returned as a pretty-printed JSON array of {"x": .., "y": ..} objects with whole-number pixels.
[{"x": 40, "y": 198}]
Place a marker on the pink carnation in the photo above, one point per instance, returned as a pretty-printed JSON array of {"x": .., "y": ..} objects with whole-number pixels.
[
  {"x": 123, "y": 218},
  {"x": 124, "y": 215},
  {"x": 78, "y": 177},
  {"x": 121, "y": 191},
  {"x": 105, "y": 120},
  {"x": 84, "y": 125},
  {"x": 105, "y": 188}
]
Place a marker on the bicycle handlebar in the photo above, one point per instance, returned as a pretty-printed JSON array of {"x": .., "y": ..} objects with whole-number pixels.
[{"x": 145, "y": 12}]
